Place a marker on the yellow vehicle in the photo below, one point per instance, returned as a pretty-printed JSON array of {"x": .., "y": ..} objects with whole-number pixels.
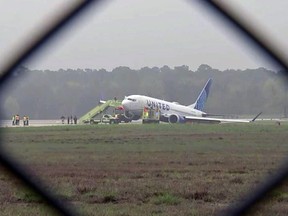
[
  {"x": 109, "y": 119},
  {"x": 98, "y": 112},
  {"x": 150, "y": 115},
  {"x": 106, "y": 119}
]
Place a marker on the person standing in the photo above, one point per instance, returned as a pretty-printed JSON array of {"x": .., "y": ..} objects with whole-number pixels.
[
  {"x": 27, "y": 120},
  {"x": 17, "y": 118},
  {"x": 13, "y": 120},
  {"x": 75, "y": 119},
  {"x": 24, "y": 120},
  {"x": 62, "y": 119},
  {"x": 68, "y": 120}
]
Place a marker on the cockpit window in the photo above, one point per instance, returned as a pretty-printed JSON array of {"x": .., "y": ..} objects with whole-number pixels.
[{"x": 131, "y": 99}]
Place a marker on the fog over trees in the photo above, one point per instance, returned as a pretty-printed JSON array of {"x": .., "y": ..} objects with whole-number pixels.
[{"x": 51, "y": 94}]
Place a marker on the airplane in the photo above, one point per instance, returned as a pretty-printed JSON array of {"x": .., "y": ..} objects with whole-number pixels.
[{"x": 174, "y": 112}]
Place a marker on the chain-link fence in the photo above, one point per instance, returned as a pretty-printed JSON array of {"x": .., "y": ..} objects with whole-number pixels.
[{"x": 74, "y": 12}]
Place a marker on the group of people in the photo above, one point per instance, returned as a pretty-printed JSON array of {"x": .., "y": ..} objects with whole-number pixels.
[
  {"x": 16, "y": 120},
  {"x": 70, "y": 120}
]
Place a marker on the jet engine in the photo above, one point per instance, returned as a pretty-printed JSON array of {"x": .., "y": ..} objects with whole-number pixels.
[
  {"x": 130, "y": 115},
  {"x": 176, "y": 119}
]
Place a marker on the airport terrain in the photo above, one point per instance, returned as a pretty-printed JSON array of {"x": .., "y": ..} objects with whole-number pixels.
[{"x": 134, "y": 169}]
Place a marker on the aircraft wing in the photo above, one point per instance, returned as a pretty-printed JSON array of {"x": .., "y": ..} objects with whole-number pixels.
[{"x": 194, "y": 119}]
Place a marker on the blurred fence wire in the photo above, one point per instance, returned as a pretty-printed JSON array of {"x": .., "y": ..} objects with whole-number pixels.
[{"x": 67, "y": 17}]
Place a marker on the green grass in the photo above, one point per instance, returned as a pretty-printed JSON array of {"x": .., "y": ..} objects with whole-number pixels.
[
  {"x": 145, "y": 169},
  {"x": 28, "y": 196},
  {"x": 166, "y": 199}
]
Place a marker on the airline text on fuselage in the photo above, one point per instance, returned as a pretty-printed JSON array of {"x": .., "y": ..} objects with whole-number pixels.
[{"x": 158, "y": 105}]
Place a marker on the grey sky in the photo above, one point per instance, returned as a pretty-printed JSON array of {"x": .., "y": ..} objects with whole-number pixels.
[{"x": 139, "y": 33}]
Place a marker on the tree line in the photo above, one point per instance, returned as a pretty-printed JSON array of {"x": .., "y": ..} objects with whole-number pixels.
[{"x": 51, "y": 94}]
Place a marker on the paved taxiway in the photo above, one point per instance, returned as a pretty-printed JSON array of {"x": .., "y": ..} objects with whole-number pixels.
[{"x": 35, "y": 123}]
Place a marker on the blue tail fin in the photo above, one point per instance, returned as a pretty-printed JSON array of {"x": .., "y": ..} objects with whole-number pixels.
[{"x": 202, "y": 98}]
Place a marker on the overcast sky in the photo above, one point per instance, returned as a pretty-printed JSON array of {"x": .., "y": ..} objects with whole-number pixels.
[{"x": 139, "y": 33}]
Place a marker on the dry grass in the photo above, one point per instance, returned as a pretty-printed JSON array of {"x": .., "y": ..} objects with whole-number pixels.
[{"x": 145, "y": 169}]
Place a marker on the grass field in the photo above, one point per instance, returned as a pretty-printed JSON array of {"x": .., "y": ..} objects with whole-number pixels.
[{"x": 145, "y": 169}]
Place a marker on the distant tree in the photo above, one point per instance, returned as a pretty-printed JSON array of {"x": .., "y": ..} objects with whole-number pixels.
[
  {"x": 50, "y": 94},
  {"x": 204, "y": 67},
  {"x": 183, "y": 68},
  {"x": 165, "y": 69}
]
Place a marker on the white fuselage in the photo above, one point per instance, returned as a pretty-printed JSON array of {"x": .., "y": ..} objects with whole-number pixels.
[{"x": 136, "y": 103}]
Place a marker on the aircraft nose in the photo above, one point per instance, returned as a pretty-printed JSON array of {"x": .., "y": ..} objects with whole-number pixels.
[{"x": 125, "y": 104}]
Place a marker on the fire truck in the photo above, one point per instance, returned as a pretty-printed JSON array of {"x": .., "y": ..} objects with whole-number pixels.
[{"x": 150, "y": 115}]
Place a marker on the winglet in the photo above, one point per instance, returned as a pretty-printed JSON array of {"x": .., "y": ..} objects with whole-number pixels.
[{"x": 256, "y": 117}]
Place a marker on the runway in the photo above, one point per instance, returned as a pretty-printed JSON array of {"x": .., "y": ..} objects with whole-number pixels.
[
  {"x": 32, "y": 123},
  {"x": 51, "y": 122},
  {"x": 55, "y": 122}
]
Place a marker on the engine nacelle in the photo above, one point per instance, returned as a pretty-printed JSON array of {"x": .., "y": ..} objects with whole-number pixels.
[
  {"x": 176, "y": 119},
  {"x": 129, "y": 115}
]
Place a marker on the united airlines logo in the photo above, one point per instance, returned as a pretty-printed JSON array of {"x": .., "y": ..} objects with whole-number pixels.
[
  {"x": 201, "y": 102},
  {"x": 203, "y": 97},
  {"x": 157, "y": 105}
]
